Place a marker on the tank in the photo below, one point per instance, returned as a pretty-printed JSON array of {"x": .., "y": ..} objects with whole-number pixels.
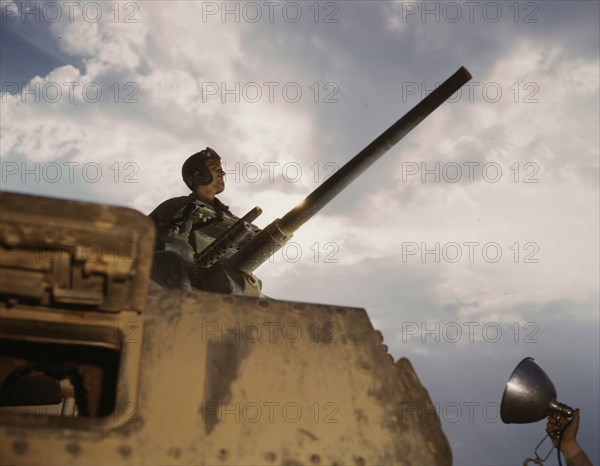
[{"x": 99, "y": 366}]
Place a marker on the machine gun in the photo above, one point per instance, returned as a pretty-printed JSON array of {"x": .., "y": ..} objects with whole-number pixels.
[{"x": 214, "y": 272}]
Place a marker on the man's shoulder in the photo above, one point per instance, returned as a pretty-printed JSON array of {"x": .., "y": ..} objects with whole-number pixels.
[{"x": 166, "y": 209}]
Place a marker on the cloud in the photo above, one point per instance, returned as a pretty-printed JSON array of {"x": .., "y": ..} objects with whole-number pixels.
[{"x": 141, "y": 102}]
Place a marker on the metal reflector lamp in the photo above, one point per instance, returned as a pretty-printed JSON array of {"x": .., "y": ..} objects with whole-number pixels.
[{"x": 530, "y": 396}]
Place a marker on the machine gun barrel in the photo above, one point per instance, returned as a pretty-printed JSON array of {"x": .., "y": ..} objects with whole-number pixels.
[
  {"x": 275, "y": 235},
  {"x": 219, "y": 247}
]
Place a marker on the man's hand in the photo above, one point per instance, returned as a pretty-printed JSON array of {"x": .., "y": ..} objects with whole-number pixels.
[{"x": 568, "y": 444}]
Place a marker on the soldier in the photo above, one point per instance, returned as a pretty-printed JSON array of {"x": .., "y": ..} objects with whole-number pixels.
[{"x": 186, "y": 225}]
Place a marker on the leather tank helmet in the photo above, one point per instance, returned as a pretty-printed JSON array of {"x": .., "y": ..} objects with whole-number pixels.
[{"x": 195, "y": 171}]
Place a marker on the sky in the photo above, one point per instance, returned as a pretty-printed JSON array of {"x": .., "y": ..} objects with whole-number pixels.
[{"x": 472, "y": 244}]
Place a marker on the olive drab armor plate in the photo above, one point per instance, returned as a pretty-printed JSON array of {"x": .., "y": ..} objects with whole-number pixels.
[{"x": 175, "y": 377}]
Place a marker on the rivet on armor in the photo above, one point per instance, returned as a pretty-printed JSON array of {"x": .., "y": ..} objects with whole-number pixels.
[
  {"x": 73, "y": 448},
  {"x": 20, "y": 447},
  {"x": 365, "y": 365},
  {"x": 359, "y": 461}
]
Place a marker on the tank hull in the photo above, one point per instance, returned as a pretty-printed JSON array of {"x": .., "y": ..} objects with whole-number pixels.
[{"x": 151, "y": 376}]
